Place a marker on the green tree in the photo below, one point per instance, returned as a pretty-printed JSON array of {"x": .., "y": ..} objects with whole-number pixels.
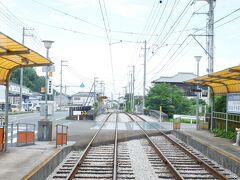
[
  {"x": 170, "y": 97},
  {"x": 30, "y": 79},
  {"x": 220, "y": 103}
]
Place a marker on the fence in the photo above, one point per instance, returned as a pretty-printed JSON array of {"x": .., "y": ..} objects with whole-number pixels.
[
  {"x": 1, "y": 138},
  {"x": 25, "y": 136},
  {"x": 61, "y": 134},
  {"x": 225, "y": 121}
]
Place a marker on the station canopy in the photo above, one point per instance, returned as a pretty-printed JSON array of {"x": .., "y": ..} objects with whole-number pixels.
[
  {"x": 221, "y": 82},
  {"x": 14, "y": 55}
]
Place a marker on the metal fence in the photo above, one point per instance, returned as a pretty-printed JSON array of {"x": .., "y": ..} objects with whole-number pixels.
[
  {"x": 61, "y": 134},
  {"x": 225, "y": 121}
]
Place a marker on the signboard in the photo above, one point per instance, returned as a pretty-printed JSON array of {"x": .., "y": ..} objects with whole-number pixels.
[
  {"x": 233, "y": 103},
  {"x": 82, "y": 85},
  {"x": 49, "y": 87}
]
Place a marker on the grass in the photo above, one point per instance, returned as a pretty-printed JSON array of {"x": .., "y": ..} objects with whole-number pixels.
[{"x": 224, "y": 134}]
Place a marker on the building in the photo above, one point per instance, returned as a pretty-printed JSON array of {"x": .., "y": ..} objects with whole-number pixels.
[
  {"x": 178, "y": 80},
  {"x": 83, "y": 99},
  {"x": 30, "y": 100},
  {"x": 65, "y": 100}
]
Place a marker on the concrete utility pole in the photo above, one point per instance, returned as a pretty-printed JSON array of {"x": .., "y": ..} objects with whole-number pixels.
[
  {"x": 198, "y": 58},
  {"x": 210, "y": 35},
  {"x": 24, "y": 34},
  {"x": 133, "y": 83},
  {"x": 210, "y": 40},
  {"x": 60, "y": 103},
  {"x": 144, "y": 73},
  {"x": 131, "y": 90},
  {"x": 102, "y": 87},
  {"x": 94, "y": 98}
]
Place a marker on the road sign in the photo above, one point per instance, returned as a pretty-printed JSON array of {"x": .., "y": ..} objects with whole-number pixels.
[
  {"x": 82, "y": 85},
  {"x": 49, "y": 88},
  {"x": 196, "y": 90}
]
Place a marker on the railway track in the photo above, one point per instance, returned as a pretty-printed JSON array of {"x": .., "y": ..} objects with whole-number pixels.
[
  {"x": 157, "y": 157},
  {"x": 182, "y": 161}
]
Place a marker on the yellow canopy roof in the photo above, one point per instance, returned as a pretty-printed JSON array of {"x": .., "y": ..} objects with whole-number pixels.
[
  {"x": 14, "y": 55},
  {"x": 221, "y": 82}
]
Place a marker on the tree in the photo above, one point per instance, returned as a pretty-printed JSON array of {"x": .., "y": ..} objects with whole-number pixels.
[
  {"x": 170, "y": 97},
  {"x": 30, "y": 79},
  {"x": 220, "y": 103}
]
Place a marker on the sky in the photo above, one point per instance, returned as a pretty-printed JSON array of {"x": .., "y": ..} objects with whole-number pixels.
[{"x": 105, "y": 38}]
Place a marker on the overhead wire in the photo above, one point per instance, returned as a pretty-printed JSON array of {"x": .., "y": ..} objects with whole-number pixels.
[
  {"x": 67, "y": 14},
  {"x": 107, "y": 30}
]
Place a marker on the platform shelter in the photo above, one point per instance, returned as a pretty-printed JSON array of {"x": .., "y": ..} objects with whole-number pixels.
[
  {"x": 221, "y": 83},
  {"x": 14, "y": 55}
]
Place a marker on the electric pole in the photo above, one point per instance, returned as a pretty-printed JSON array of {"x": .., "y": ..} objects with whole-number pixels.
[
  {"x": 144, "y": 73},
  {"x": 60, "y": 103},
  {"x": 210, "y": 35},
  {"x": 94, "y": 98},
  {"x": 24, "y": 34},
  {"x": 133, "y": 82}
]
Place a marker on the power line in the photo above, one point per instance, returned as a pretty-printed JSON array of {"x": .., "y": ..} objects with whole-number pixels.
[
  {"x": 227, "y": 15},
  {"x": 67, "y": 14},
  {"x": 66, "y": 29}
]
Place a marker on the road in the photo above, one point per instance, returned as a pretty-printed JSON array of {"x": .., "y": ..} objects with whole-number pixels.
[
  {"x": 30, "y": 118},
  {"x": 34, "y": 117}
]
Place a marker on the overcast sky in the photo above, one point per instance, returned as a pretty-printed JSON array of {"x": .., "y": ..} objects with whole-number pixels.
[{"x": 78, "y": 29}]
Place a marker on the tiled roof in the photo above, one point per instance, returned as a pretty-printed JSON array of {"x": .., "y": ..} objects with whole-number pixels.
[{"x": 178, "y": 78}]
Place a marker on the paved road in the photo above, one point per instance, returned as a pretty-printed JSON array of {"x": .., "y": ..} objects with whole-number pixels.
[{"x": 31, "y": 118}]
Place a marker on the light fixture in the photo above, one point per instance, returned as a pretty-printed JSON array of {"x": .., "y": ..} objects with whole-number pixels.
[{"x": 47, "y": 43}]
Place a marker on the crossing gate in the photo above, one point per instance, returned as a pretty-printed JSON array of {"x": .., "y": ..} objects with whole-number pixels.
[
  {"x": 25, "y": 134},
  {"x": 61, "y": 134}
]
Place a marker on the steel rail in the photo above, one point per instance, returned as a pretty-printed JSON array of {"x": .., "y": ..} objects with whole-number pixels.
[
  {"x": 115, "y": 151},
  {"x": 75, "y": 168},
  {"x": 173, "y": 170},
  {"x": 210, "y": 169}
]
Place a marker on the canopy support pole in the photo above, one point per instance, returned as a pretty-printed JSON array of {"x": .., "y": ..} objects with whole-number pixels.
[{"x": 6, "y": 115}]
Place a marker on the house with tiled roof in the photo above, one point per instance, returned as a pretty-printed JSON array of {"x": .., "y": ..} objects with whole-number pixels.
[{"x": 178, "y": 80}]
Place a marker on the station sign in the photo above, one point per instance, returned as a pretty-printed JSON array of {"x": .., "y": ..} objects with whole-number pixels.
[
  {"x": 233, "y": 103},
  {"x": 49, "y": 87},
  {"x": 81, "y": 108}
]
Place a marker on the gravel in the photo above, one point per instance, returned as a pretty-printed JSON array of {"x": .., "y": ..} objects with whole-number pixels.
[{"x": 142, "y": 168}]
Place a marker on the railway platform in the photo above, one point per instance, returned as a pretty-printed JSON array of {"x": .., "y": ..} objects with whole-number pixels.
[{"x": 20, "y": 161}]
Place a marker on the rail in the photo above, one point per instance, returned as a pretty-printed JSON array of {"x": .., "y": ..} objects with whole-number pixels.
[
  {"x": 211, "y": 170},
  {"x": 160, "y": 154},
  {"x": 79, "y": 162},
  {"x": 115, "y": 150}
]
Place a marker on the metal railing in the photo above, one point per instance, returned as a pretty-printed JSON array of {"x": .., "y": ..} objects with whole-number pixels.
[
  {"x": 225, "y": 121},
  {"x": 25, "y": 134},
  {"x": 61, "y": 134}
]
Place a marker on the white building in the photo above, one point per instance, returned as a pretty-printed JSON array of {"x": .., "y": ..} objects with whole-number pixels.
[{"x": 83, "y": 99}]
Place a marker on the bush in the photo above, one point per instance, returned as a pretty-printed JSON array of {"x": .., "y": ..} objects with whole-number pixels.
[{"x": 224, "y": 134}]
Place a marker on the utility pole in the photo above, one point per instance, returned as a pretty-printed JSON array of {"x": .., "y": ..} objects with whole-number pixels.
[
  {"x": 24, "y": 34},
  {"x": 210, "y": 35},
  {"x": 210, "y": 40},
  {"x": 102, "y": 87},
  {"x": 94, "y": 89},
  {"x": 131, "y": 90},
  {"x": 144, "y": 73},
  {"x": 60, "y": 103},
  {"x": 210, "y": 44},
  {"x": 133, "y": 82}
]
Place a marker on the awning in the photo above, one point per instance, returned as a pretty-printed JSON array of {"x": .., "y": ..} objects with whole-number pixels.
[
  {"x": 221, "y": 82},
  {"x": 14, "y": 55}
]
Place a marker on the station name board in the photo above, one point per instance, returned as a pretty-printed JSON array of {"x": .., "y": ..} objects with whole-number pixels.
[{"x": 233, "y": 103}]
